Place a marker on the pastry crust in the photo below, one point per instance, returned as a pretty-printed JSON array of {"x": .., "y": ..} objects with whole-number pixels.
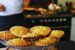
[
  {"x": 6, "y": 35},
  {"x": 30, "y": 35},
  {"x": 45, "y": 41},
  {"x": 19, "y": 30},
  {"x": 40, "y": 30},
  {"x": 18, "y": 42},
  {"x": 57, "y": 33}
]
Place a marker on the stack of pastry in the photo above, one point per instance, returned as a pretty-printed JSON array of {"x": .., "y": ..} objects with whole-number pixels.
[
  {"x": 51, "y": 39},
  {"x": 38, "y": 31},
  {"x": 17, "y": 35}
]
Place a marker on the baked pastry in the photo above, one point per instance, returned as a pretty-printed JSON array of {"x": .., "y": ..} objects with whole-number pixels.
[
  {"x": 18, "y": 42},
  {"x": 45, "y": 41},
  {"x": 30, "y": 35},
  {"x": 57, "y": 33},
  {"x": 6, "y": 35},
  {"x": 19, "y": 30},
  {"x": 40, "y": 30}
]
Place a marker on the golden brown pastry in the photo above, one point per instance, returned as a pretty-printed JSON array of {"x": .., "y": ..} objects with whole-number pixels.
[
  {"x": 30, "y": 35},
  {"x": 57, "y": 33},
  {"x": 40, "y": 30},
  {"x": 18, "y": 42},
  {"x": 19, "y": 30},
  {"x": 6, "y": 35},
  {"x": 45, "y": 41}
]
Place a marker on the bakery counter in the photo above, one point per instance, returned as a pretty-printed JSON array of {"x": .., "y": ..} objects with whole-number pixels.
[{"x": 64, "y": 45}]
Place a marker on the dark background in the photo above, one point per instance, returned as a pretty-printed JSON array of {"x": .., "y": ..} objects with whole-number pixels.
[{"x": 40, "y": 3}]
